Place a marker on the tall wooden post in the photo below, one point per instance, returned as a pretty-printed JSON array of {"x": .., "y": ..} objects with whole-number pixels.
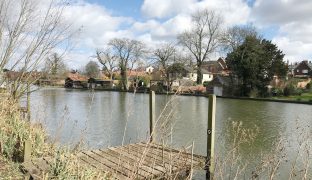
[
  {"x": 152, "y": 114},
  {"x": 28, "y": 101},
  {"x": 211, "y": 136},
  {"x": 27, "y": 150}
]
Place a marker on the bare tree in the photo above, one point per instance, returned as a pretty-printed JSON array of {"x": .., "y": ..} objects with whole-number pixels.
[
  {"x": 203, "y": 39},
  {"x": 29, "y": 31},
  {"x": 129, "y": 53},
  {"x": 55, "y": 65},
  {"x": 165, "y": 56},
  {"x": 108, "y": 60},
  {"x": 236, "y": 35},
  {"x": 92, "y": 69}
]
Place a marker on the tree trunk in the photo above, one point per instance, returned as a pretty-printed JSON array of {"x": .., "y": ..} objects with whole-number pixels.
[
  {"x": 199, "y": 73},
  {"x": 124, "y": 79}
]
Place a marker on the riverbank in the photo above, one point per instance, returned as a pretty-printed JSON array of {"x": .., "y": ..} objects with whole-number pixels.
[
  {"x": 15, "y": 131},
  {"x": 9, "y": 170}
]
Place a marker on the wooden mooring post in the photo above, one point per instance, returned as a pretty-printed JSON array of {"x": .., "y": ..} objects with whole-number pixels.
[
  {"x": 28, "y": 101},
  {"x": 211, "y": 137},
  {"x": 152, "y": 114},
  {"x": 27, "y": 150}
]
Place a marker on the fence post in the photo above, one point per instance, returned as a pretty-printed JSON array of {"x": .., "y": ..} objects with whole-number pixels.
[
  {"x": 28, "y": 101},
  {"x": 152, "y": 114},
  {"x": 211, "y": 136},
  {"x": 27, "y": 150}
]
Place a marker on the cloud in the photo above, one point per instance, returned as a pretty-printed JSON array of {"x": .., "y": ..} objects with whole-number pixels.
[
  {"x": 163, "y": 20},
  {"x": 97, "y": 23},
  {"x": 293, "y": 18},
  {"x": 233, "y": 11},
  {"x": 293, "y": 50},
  {"x": 165, "y": 8},
  {"x": 281, "y": 12}
]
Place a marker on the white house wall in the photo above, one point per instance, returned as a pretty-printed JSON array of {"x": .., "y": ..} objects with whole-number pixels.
[
  {"x": 207, "y": 77},
  {"x": 193, "y": 77}
]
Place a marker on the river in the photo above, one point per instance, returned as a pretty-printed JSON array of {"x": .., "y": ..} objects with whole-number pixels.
[{"x": 103, "y": 118}]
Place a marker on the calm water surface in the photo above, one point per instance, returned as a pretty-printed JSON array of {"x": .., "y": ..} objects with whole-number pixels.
[{"x": 102, "y": 119}]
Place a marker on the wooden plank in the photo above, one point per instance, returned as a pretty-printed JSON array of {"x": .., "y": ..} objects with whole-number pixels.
[
  {"x": 150, "y": 162},
  {"x": 196, "y": 156},
  {"x": 100, "y": 166},
  {"x": 200, "y": 162},
  {"x": 123, "y": 164},
  {"x": 172, "y": 157},
  {"x": 168, "y": 166},
  {"x": 172, "y": 173},
  {"x": 146, "y": 154},
  {"x": 148, "y": 159},
  {"x": 32, "y": 170},
  {"x": 139, "y": 161},
  {"x": 41, "y": 164},
  {"x": 144, "y": 166},
  {"x": 95, "y": 158}
]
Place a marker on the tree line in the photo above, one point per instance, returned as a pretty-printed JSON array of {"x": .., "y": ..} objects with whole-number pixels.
[{"x": 252, "y": 60}]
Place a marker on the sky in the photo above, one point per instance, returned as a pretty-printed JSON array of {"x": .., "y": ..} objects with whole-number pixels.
[{"x": 288, "y": 23}]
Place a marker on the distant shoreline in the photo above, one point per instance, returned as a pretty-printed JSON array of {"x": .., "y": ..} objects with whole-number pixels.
[{"x": 195, "y": 95}]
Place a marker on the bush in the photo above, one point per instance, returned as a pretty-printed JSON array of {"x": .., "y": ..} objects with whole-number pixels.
[
  {"x": 205, "y": 83},
  {"x": 145, "y": 79},
  {"x": 254, "y": 93},
  {"x": 290, "y": 89},
  {"x": 277, "y": 92},
  {"x": 309, "y": 86}
]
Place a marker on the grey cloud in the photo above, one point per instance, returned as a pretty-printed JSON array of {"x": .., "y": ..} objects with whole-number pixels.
[{"x": 279, "y": 12}]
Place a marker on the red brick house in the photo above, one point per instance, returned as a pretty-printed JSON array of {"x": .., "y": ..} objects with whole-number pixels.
[
  {"x": 303, "y": 69},
  {"x": 216, "y": 67}
]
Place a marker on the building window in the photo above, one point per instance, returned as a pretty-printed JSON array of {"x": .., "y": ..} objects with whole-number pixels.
[
  {"x": 305, "y": 71},
  {"x": 297, "y": 70}
]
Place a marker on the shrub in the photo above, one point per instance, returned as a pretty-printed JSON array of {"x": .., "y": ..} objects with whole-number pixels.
[
  {"x": 309, "y": 86},
  {"x": 290, "y": 89},
  {"x": 277, "y": 92},
  {"x": 254, "y": 93},
  {"x": 205, "y": 83}
]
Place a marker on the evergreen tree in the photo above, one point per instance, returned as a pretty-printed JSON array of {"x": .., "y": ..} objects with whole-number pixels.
[{"x": 254, "y": 63}]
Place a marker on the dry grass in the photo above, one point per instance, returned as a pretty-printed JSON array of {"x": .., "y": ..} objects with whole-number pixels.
[
  {"x": 15, "y": 130},
  {"x": 275, "y": 164}
]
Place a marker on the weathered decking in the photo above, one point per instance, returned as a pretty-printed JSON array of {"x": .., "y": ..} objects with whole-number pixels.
[{"x": 133, "y": 161}]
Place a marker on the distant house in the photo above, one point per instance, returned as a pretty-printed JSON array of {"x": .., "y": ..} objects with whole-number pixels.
[
  {"x": 191, "y": 74},
  {"x": 220, "y": 86},
  {"x": 75, "y": 80},
  {"x": 303, "y": 69},
  {"x": 149, "y": 69},
  {"x": 216, "y": 67},
  {"x": 99, "y": 83}
]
